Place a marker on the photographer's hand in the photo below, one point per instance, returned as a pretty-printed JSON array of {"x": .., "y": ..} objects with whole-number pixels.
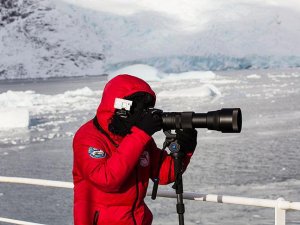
[
  {"x": 150, "y": 122},
  {"x": 187, "y": 139}
]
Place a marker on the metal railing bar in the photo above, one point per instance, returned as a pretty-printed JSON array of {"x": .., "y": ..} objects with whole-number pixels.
[
  {"x": 18, "y": 222},
  {"x": 282, "y": 204},
  {"x": 39, "y": 182}
]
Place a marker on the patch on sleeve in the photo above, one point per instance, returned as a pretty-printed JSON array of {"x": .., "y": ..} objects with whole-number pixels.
[{"x": 96, "y": 153}]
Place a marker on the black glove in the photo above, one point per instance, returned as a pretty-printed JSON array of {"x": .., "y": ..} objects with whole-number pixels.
[
  {"x": 187, "y": 139},
  {"x": 150, "y": 121}
]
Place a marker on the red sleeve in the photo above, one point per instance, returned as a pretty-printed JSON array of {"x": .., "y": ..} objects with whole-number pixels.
[
  {"x": 166, "y": 170},
  {"x": 109, "y": 173}
]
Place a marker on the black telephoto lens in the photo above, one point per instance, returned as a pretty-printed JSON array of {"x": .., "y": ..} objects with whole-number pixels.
[{"x": 227, "y": 120}]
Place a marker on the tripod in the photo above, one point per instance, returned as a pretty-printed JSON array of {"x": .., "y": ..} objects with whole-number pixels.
[{"x": 177, "y": 155}]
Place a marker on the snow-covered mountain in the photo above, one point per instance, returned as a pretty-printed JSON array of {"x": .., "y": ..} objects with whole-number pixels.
[
  {"x": 45, "y": 39},
  {"x": 49, "y": 38}
]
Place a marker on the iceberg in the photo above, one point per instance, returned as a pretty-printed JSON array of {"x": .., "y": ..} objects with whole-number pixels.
[{"x": 14, "y": 118}]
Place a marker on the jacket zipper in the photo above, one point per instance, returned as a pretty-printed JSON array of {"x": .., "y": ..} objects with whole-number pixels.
[
  {"x": 137, "y": 195},
  {"x": 96, "y": 217}
]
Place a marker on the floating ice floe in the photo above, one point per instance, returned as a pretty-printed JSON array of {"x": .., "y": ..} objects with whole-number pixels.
[
  {"x": 253, "y": 76},
  {"x": 14, "y": 118},
  {"x": 145, "y": 72},
  {"x": 15, "y": 106},
  {"x": 200, "y": 75},
  {"x": 206, "y": 90},
  {"x": 17, "y": 99},
  {"x": 149, "y": 73}
]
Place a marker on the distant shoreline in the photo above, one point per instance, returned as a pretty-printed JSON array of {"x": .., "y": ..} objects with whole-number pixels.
[
  {"x": 52, "y": 85},
  {"x": 85, "y": 77},
  {"x": 46, "y": 79}
]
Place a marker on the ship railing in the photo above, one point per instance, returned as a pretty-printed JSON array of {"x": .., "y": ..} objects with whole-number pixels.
[{"x": 280, "y": 205}]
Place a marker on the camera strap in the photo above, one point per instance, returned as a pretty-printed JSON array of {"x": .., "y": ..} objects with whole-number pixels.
[
  {"x": 97, "y": 125},
  {"x": 156, "y": 178}
]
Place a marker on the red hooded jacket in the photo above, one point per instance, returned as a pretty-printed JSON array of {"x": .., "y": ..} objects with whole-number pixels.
[{"x": 110, "y": 182}]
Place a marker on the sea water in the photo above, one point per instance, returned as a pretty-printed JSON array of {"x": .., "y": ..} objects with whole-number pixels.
[{"x": 260, "y": 162}]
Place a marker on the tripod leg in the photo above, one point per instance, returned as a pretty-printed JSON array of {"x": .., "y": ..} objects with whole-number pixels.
[
  {"x": 180, "y": 209},
  {"x": 178, "y": 186}
]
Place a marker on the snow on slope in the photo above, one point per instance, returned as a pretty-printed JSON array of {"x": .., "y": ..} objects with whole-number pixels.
[
  {"x": 46, "y": 39},
  {"x": 73, "y": 37}
]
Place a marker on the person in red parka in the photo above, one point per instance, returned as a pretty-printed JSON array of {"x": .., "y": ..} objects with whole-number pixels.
[{"x": 115, "y": 155}]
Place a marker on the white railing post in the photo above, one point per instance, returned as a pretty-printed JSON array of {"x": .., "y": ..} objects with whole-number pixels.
[{"x": 280, "y": 212}]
